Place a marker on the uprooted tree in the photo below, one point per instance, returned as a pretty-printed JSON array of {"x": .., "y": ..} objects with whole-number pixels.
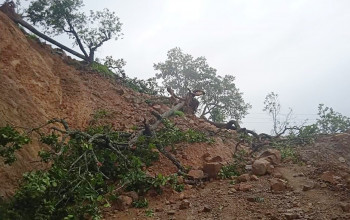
[
  {"x": 65, "y": 17},
  {"x": 90, "y": 168},
  {"x": 222, "y": 98}
]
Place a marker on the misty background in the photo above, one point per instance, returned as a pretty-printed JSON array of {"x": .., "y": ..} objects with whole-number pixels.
[{"x": 299, "y": 49}]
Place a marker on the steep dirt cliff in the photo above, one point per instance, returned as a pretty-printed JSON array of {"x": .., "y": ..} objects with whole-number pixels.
[{"x": 37, "y": 85}]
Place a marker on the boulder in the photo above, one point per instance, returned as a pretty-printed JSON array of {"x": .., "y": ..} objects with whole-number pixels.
[
  {"x": 260, "y": 167},
  {"x": 196, "y": 174},
  {"x": 277, "y": 185},
  {"x": 243, "y": 178},
  {"x": 271, "y": 155},
  {"x": 123, "y": 202},
  {"x": 212, "y": 169}
]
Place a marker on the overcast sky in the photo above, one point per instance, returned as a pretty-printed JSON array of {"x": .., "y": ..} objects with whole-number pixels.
[{"x": 299, "y": 49}]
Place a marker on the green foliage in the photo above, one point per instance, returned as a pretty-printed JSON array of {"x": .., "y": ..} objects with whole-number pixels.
[
  {"x": 182, "y": 72},
  {"x": 102, "y": 69},
  {"x": 100, "y": 113},
  {"x": 141, "y": 203},
  {"x": 65, "y": 16},
  {"x": 148, "y": 86},
  {"x": 170, "y": 135},
  {"x": 116, "y": 65},
  {"x": 228, "y": 171},
  {"x": 331, "y": 122},
  {"x": 11, "y": 141},
  {"x": 82, "y": 168},
  {"x": 179, "y": 113},
  {"x": 287, "y": 150},
  {"x": 149, "y": 213}
]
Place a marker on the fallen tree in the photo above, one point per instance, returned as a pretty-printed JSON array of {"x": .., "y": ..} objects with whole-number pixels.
[{"x": 9, "y": 9}]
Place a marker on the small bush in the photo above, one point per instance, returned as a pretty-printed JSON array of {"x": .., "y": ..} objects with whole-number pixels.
[
  {"x": 141, "y": 203},
  {"x": 228, "y": 171},
  {"x": 11, "y": 141},
  {"x": 102, "y": 69}
]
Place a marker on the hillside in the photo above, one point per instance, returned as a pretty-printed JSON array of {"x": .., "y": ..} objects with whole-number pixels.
[{"x": 39, "y": 83}]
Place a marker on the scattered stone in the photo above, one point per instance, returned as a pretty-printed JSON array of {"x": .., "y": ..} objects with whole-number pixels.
[
  {"x": 133, "y": 195},
  {"x": 171, "y": 212},
  {"x": 345, "y": 207},
  {"x": 243, "y": 178},
  {"x": 248, "y": 167},
  {"x": 180, "y": 179},
  {"x": 244, "y": 187},
  {"x": 290, "y": 216},
  {"x": 206, "y": 208},
  {"x": 196, "y": 174},
  {"x": 185, "y": 204},
  {"x": 123, "y": 202},
  {"x": 232, "y": 191},
  {"x": 277, "y": 185},
  {"x": 254, "y": 178},
  {"x": 298, "y": 175},
  {"x": 329, "y": 177},
  {"x": 271, "y": 155},
  {"x": 212, "y": 169},
  {"x": 277, "y": 174},
  {"x": 251, "y": 199},
  {"x": 341, "y": 159},
  {"x": 159, "y": 209},
  {"x": 323, "y": 185},
  {"x": 308, "y": 186},
  {"x": 260, "y": 167}
]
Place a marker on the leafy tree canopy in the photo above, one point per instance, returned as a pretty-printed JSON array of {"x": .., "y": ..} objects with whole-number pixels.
[
  {"x": 182, "y": 71},
  {"x": 65, "y": 16},
  {"x": 330, "y": 121}
]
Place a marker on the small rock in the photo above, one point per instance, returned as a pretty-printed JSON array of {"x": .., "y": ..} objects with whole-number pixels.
[
  {"x": 206, "y": 208},
  {"x": 345, "y": 207},
  {"x": 308, "y": 186},
  {"x": 243, "y": 178},
  {"x": 251, "y": 199},
  {"x": 248, "y": 167},
  {"x": 159, "y": 209},
  {"x": 329, "y": 177},
  {"x": 171, "y": 212},
  {"x": 180, "y": 179},
  {"x": 254, "y": 178},
  {"x": 185, "y": 204},
  {"x": 244, "y": 187},
  {"x": 196, "y": 174},
  {"x": 341, "y": 159},
  {"x": 123, "y": 202},
  {"x": 277, "y": 185},
  {"x": 290, "y": 216},
  {"x": 133, "y": 195}
]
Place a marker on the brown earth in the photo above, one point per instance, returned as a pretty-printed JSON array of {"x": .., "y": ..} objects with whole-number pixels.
[
  {"x": 36, "y": 85},
  {"x": 307, "y": 195}
]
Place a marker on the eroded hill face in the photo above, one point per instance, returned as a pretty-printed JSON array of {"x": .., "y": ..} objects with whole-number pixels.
[{"x": 37, "y": 85}]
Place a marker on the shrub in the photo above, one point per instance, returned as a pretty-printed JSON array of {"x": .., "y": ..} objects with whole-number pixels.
[{"x": 11, "y": 141}]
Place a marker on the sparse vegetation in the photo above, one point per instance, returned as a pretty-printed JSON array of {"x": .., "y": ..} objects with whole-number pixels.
[{"x": 11, "y": 141}]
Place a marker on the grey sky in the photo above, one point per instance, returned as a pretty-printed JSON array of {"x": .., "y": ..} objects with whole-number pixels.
[{"x": 299, "y": 49}]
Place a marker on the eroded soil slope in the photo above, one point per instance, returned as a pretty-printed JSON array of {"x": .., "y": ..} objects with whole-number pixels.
[{"x": 37, "y": 84}]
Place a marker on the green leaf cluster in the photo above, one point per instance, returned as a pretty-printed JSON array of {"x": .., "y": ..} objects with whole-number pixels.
[{"x": 11, "y": 141}]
